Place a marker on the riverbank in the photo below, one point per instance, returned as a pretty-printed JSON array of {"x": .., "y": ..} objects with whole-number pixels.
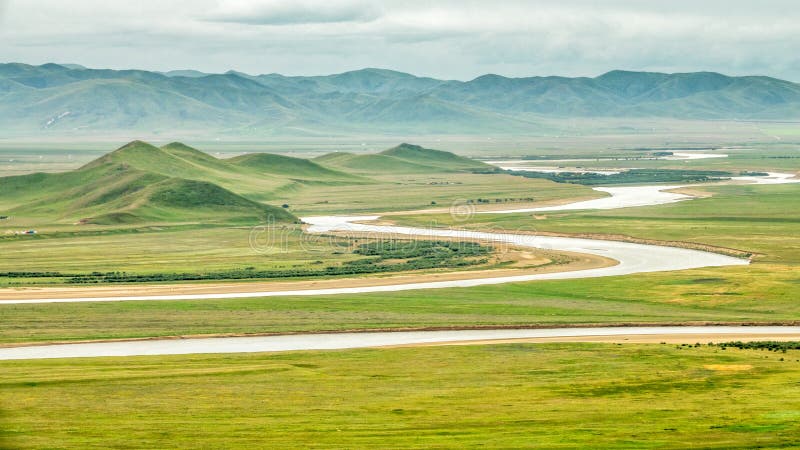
[{"x": 338, "y": 341}]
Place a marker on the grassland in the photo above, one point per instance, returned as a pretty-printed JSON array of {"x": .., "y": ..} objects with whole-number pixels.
[
  {"x": 632, "y": 176},
  {"x": 398, "y": 192},
  {"x": 785, "y": 158},
  {"x": 226, "y": 253},
  {"x": 144, "y": 209},
  {"x": 565, "y": 395},
  {"x": 510, "y": 395},
  {"x": 190, "y": 249},
  {"x": 759, "y": 219},
  {"x": 496, "y": 396},
  {"x": 375, "y": 258},
  {"x": 749, "y": 295}
]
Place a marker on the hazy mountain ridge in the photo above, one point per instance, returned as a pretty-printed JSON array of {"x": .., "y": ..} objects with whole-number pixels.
[{"x": 59, "y": 99}]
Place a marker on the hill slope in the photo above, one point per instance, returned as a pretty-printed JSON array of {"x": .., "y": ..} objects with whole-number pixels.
[
  {"x": 137, "y": 183},
  {"x": 436, "y": 158},
  {"x": 403, "y": 159},
  {"x": 55, "y": 100},
  {"x": 294, "y": 168}
]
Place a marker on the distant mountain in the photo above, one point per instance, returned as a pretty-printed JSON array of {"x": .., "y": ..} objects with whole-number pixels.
[
  {"x": 54, "y": 99},
  {"x": 74, "y": 66},
  {"x": 185, "y": 73}
]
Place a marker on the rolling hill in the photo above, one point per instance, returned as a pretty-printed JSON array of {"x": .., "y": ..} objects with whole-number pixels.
[
  {"x": 67, "y": 100},
  {"x": 298, "y": 169},
  {"x": 403, "y": 159},
  {"x": 137, "y": 183},
  {"x": 140, "y": 183}
]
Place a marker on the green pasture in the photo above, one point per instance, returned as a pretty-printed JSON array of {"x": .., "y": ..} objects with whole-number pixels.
[{"x": 494, "y": 396}]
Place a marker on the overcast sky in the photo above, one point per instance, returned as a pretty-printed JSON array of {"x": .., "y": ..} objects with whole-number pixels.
[{"x": 456, "y": 39}]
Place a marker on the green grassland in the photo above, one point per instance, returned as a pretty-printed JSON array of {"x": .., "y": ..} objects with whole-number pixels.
[
  {"x": 146, "y": 209},
  {"x": 763, "y": 219},
  {"x": 398, "y": 192},
  {"x": 145, "y": 250},
  {"x": 409, "y": 177},
  {"x": 495, "y": 396},
  {"x": 276, "y": 252},
  {"x": 759, "y": 219},
  {"x": 632, "y": 176},
  {"x": 777, "y": 158},
  {"x": 351, "y": 257},
  {"x": 760, "y": 294}
]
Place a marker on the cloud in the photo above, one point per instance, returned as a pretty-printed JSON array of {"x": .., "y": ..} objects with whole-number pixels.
[
  {"x": 294, "y": 12},
  {"x": 446, "y": 38}
]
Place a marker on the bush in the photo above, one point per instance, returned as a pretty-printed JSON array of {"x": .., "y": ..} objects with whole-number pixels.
[{"x": 379, "y": 257}]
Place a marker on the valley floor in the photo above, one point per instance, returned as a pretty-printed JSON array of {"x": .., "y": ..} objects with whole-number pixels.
[
  {"x": 497, "y": 396},
  {"x": 622, "y": 391},
  {"x": 211, "y": 290}
]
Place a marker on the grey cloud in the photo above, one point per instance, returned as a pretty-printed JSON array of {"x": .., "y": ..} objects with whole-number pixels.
[
  {"x": 287, "y": 12},
  {"x": 444, "y": 38}
]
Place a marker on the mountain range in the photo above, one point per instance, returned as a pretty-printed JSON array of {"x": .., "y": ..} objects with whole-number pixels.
[{"x": 54, "y": 99}]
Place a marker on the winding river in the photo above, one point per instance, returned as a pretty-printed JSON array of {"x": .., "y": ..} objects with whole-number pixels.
[
  {"x": 632, "y": 259},
  {"x": 335, "y": 341},
  {"x": 632, "y": 196}
]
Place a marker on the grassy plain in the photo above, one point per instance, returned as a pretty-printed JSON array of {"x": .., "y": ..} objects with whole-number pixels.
[
  {"x": 763, "y": 294},
  {"x": 140, "y": 209},
  {"x": 509, "y": 396},
  {"x": 779, "y": 158},
  {"x": 279, "y": 252},
  {"x": 760, "y": 219},
  {"x": 176, "y": 250},
  {"x": 764, "y": 219},
  {"x": 398, "y": 192}
]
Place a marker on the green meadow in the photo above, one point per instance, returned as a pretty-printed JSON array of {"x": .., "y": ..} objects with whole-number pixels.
[
  {"x": 760, "y": 156},
  {"x": 762, "y": 220},
  {"x": 494, "y": 396},
  {"x": 761, "y": 294}
]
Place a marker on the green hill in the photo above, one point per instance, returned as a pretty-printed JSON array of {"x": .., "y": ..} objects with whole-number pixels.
[
  {"x": 142, "y": 183},
  {"x": 294, "y": 168},
  {"x": 137, "y": 183},
  {"x": 418, "y": 155},
  {"x": 255, "y": 175},
  {"x": 174, "y": 159},
  {"x": 333, "y": 157},
  {"x": 403, "y": 159},
  {"x": 375, "y": 164}
]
